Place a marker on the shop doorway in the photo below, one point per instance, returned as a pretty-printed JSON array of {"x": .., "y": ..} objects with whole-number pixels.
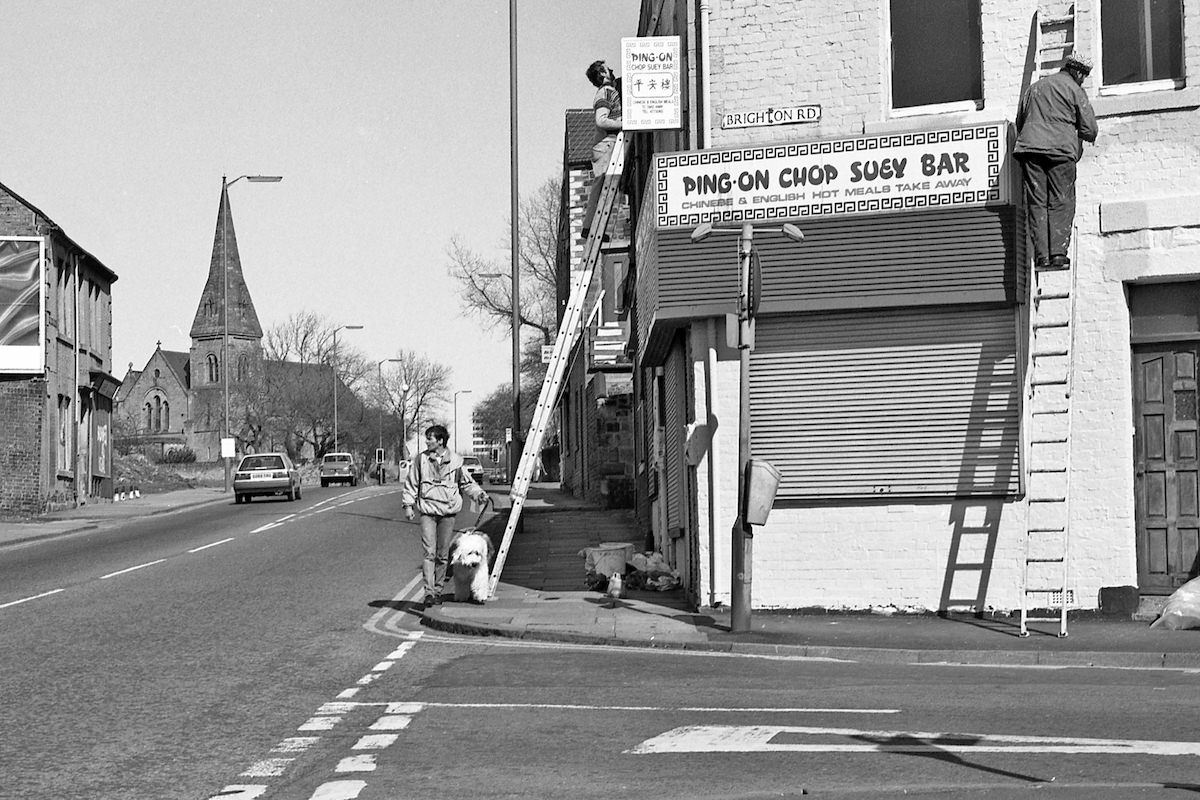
[
  {"x": 1165, "y": 339},
  {"x": 1166, "y": 465}
]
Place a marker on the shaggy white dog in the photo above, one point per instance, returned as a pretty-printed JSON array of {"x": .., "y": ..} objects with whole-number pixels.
[{"x": 470, "y": 554}]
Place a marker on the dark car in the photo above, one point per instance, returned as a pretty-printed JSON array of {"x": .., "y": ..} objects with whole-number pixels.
[
  {"x": 265, "y": 474},
  {"x": 339, "y": 468}
]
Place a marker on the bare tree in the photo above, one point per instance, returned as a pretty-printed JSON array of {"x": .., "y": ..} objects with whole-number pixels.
[{"x": 415, "y": 391}]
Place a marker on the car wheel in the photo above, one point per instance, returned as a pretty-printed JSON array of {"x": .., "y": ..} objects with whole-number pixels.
[
  {"x": 291, "y": 494},
  {"x": 237, "y": 499},
  {"x": 324, "y": 483},
  {"x": 354, "y": 481},
  {"x": 297, "y": 491}
]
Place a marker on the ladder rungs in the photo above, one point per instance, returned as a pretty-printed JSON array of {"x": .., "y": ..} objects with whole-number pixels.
[{"x": 981, "y": 565}]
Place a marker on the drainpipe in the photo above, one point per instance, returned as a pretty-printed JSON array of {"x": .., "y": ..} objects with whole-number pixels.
[
  {"x": 703, "y": 78},
  {"x": 76, "y": 403},
  {"x": 714, "y": 501}
]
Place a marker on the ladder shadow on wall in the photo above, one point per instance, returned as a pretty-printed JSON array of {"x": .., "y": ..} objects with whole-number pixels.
[{"x": 989, "y": 458}]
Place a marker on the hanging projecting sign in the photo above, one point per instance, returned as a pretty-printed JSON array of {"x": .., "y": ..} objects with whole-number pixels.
[
  {"x": 862, "y": 175},
  {"x": 650, "y": 91},
  {"x": 788, "y": 115}
]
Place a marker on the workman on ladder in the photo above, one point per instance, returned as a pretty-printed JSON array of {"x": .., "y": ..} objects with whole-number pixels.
[
  {"x": 607, "y": 109},
  {"x": 1054, "y": 120}
]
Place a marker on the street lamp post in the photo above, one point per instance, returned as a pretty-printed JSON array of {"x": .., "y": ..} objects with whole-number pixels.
[
  {"x": 225, "y": 302},
  {"x": 749, "y": 295},
  {"x": 333, "y": 363},
  {"x": 456, "y": 394},
  {"x": 515, "y": 449},
  {"x": 403, "y": 430}
]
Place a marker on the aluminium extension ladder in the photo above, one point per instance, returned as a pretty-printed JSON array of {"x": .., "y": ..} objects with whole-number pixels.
[
  {"x": 568, "y": 334},
  {"x": 1055, "y": 32},
  {"x": 1046, "y": 572}
]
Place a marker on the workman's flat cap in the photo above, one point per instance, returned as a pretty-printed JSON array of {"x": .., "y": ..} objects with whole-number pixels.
[{"x": 1078, "y": 62}]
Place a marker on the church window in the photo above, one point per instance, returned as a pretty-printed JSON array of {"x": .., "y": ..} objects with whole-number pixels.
[
  {"x": 214, "y": 369},
  {"x": 243, "y": 368}
]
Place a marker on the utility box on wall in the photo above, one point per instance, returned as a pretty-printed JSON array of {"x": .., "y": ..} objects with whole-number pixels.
[{"x": 761, "y": 484}]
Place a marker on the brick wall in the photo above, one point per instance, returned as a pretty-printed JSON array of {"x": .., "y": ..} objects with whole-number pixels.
[{"x": 22, "y": 405}]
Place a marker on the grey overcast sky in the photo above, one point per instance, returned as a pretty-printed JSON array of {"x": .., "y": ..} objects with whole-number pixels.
[{"x": 389, "y": 120}]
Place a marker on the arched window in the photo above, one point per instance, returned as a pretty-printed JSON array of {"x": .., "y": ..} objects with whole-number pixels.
[
  {"x": 166, "y": 416},
  {"x": 157, "y": 413},
  {"x": 214, "y": 369},
  {"x": 149, "y": 413}
]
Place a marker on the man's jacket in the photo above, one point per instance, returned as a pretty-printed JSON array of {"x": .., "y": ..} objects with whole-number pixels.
[
  {"x": 435, "y": 486},
  {"x": 1055, "y": 118}
]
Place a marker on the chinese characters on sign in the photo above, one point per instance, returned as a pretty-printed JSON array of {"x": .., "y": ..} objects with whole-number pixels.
[
  {"x": 650, "y": 91},
  {"x": 864, "y": 175}
]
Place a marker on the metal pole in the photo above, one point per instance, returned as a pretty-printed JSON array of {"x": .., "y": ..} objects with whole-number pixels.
[
  {"x": 743, "y": 533},
  {"x": 333, "y": 365},
  {"x": 224, "y": 366},
  {"x": 516, "y": 241}
]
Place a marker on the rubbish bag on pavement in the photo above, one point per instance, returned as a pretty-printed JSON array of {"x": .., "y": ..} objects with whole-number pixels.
[{"x": 1182, "y": 610}]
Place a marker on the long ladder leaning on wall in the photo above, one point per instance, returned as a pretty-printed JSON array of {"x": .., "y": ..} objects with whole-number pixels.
[
  {"x": 568, "y": 334},
  {"x": 1046, "y": 573}
]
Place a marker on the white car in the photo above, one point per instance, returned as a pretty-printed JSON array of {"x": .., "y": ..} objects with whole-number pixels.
[{"x": 474, "y": 468}]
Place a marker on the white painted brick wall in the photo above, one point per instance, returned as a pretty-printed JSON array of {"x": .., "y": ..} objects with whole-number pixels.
[{"x": 769, "y": 53}]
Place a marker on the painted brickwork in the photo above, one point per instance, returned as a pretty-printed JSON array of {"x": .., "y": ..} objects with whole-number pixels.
[
  {"x": 767, "y": 53},
  {"x": 22, "y": 402}
]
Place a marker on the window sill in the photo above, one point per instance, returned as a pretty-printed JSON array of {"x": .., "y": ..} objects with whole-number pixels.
[
  {"x": 927, "y": 121},
  {"x": 958, "y": 107},
  {"x": 1144, "y": 102}
]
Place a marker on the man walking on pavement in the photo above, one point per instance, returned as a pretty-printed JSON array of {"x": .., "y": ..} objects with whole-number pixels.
[
  {"x": 1054, "y": 120},
  {"x": 435, "y": 486}
]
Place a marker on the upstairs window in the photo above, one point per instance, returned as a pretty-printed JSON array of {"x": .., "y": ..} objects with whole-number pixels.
[
  {"x": 937, "y": 57},
  {"x": 1142, "y": 41},
  {"x": 214, "y": 370}
]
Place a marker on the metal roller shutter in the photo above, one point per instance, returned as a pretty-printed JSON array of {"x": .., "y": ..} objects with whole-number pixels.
[
  {"x": 675, "y": 391},
  {"x": 890, "y": 403}
]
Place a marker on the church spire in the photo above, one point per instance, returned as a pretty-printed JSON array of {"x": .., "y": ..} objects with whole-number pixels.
[{"x": 209, "y": 322}]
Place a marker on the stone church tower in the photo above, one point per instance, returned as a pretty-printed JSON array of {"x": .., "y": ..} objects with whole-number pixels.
[{"x": 225, "y": 305}]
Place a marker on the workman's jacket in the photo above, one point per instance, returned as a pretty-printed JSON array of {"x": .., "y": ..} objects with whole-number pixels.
[
  {"x": 1055, "y": 118},
  {"x": 435, "y": 484}
]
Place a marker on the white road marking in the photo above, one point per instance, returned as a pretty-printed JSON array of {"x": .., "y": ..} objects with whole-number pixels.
[
  {"x": 240, "y": 791},
  {"x": 131, "y": 569},
  {"x": 327, "y": 508},
  {"x": 361, "y": 763},
  {"x": 338, "y": 790},
  {"x": 295, "y": 744},
  {"x": 376, "y": 741},
  {"x": 34, "y": 597},
  {"x": 320, "y": 724},
  {"x": 761, "y": 739},
  {"x": 368, "y": 679},
  {"x": 285, "y": 517},
  {"x": 382, "y": 665},
  {"x": 268, "y": 768},
  {"x": 266, "y": 527},
  {"x": 346, "y": 694},
  {"x": 391, "y": 722},
  {"x": 376, "y": 625},
  {"x": 206, "y": 546},
  {"x": 696, "y": 709}
]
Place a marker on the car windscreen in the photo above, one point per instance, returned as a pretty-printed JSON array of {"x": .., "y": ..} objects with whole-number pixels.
[{"x": 262, "y": 462}]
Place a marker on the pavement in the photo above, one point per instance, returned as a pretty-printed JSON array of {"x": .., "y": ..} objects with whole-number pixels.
[{"x": 542, "y": 596}]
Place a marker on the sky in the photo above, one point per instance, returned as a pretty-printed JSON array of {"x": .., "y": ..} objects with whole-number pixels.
[{"x": 388, "y": 120}]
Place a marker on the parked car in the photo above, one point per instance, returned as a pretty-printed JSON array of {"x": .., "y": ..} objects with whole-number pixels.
[
  {"x": 339, "y": 468},
  {"x": 265, "y": 474},
  {"x": 474, "y": 468}
]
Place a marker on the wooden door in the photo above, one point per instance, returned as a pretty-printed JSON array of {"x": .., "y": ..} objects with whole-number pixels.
[{"x": 1166, "y": 465}]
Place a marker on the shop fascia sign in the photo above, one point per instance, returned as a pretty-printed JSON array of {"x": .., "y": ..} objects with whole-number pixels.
[
  {"x": 788, "y": 115},
  {"x": 910, "y": 171}
]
